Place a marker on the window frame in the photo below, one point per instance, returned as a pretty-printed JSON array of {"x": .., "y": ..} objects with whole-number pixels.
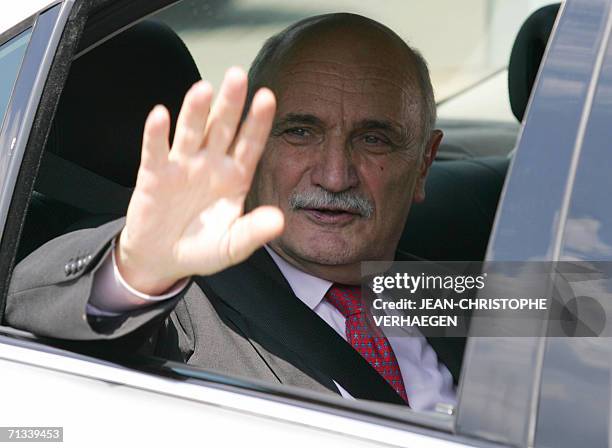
[
  {"x": 17, "y": 29},
  {"x": 321, "y": 411},
  {"x": 530, "y": 224},
  {"x": 584, "y": 381},
  {"x": 22, "y": 116}
]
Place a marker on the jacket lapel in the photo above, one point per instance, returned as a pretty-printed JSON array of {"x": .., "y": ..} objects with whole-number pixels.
[{"x": 272, "y": 315}]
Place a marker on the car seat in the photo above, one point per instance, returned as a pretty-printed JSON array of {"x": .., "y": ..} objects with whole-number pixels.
[
  {"x": 455, "y": 220},
  {"x": 93, "y": 151}
]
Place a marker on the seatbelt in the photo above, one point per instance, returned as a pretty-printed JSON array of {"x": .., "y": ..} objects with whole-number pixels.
[{"x": 79, "y": 187}]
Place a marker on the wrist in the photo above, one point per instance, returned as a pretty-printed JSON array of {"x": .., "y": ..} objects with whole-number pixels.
[{"x": 137, "y": 274}]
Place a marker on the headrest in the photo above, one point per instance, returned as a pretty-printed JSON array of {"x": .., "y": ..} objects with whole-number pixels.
[
  {"x": 109, "y": 92},
  {"x": 526, "y": 56}
]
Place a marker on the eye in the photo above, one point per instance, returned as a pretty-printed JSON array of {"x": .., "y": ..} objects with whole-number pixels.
[
  {"x": 299, "y": 136},
  {"x": 372, "y": 139},
  {"x": 298, "y": 132},
  {"x": 373, "y": 142}
]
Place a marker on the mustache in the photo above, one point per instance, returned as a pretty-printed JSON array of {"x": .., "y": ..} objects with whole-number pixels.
[{"x": 324, "y": 199}]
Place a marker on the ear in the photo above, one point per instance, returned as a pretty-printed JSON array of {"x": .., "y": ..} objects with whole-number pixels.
[{"x": 428, "y": 156}]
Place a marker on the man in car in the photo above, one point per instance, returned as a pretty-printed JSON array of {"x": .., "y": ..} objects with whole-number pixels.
[{"x": 341, "y": 114}]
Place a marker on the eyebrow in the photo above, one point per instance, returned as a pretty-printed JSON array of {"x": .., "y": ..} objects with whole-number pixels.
[{"x": 384, "y": 125}]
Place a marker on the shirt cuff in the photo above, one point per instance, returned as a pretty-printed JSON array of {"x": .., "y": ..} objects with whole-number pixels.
[{"x": 112, "y": 296}]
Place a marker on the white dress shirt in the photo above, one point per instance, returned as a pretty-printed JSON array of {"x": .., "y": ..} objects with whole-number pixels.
[{"x": 427, "y": 381}]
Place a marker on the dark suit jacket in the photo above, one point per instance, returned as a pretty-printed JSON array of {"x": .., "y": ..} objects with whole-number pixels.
[{"x": 244, "y": 321}]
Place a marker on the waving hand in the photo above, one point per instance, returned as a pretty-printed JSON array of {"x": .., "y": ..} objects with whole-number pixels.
[{"x": 186, "y": 213}]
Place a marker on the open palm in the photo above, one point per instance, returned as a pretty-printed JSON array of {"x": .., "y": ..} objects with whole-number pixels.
[{"x": 186, "y": 213}]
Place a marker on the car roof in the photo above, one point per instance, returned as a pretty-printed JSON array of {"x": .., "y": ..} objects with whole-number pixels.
[{"x": 14, "y": 12}]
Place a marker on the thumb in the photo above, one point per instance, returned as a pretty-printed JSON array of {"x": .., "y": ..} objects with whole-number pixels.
[{"x": 251, "y": 231}]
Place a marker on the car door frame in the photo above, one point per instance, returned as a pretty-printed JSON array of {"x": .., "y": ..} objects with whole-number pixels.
[
  {"x": 575, "y": 389},
  {"x": 530, "y": 223},
  {"x": 25, "y": 125},
  {"x": 43, "y": 73}
]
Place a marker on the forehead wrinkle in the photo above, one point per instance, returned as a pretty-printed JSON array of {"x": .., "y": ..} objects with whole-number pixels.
[
  {"x": 404, "y": 80},
  {"x": 349, "y": 67},
  {"x": 326, "y": 99},
  {"x": 343, "y": 79},
  {"x": 351, "y": 71}
]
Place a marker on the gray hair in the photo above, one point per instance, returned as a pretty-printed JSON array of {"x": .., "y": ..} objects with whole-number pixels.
[{"x": 269, "y": 57}]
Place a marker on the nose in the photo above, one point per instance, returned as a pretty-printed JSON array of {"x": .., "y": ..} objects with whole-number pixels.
[{"x": 334, "y": 169}]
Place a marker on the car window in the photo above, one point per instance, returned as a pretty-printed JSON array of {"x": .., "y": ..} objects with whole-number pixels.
[
  {"x": 11, "y": 55},
  {"x": 77, "y": 190}
]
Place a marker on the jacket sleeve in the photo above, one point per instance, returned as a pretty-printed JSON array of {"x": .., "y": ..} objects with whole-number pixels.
[{"x": 50, "y": 289}]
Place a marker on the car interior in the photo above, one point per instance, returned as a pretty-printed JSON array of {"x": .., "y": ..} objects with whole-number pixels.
[
  {"x": 455, "y": 220},
  {"x": 92, "y": 153}
]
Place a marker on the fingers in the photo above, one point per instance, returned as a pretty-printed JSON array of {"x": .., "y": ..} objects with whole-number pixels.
[
  {"x": 226, "y": 112},
  {"x": 251, "y": 231},
  {"x": 255, "y": 130},
  {"x": 191, "y": 123},
  {"x": 155, "y": 137}
]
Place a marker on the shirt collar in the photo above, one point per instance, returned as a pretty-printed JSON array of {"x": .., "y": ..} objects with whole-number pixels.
[{"x": 308, "y": 288}]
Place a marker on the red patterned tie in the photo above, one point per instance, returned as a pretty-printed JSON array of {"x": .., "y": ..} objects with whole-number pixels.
[{"x": 376, "y": 350}]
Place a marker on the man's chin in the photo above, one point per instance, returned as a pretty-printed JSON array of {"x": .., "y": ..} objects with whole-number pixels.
[
  {"x": 324, "y": 250},
  {"x": 322, "y": 242}
]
